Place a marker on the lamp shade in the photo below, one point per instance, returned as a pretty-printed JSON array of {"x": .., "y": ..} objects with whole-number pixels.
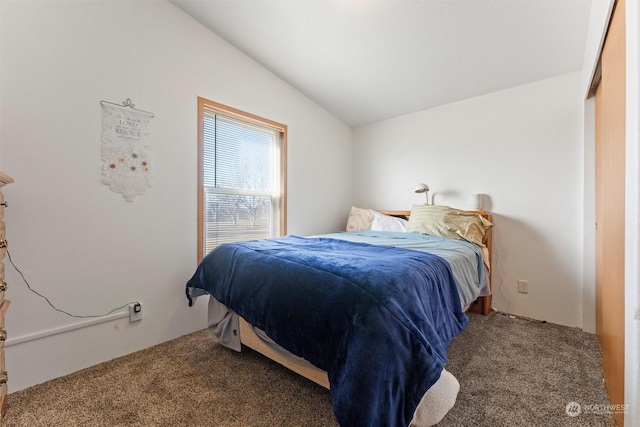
[
  {"x": 422, "y": 188},
  {"x": 475, "y": 202}
]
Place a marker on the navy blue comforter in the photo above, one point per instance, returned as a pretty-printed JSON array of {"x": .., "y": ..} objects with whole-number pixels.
[{"x": 378, "y": 319}]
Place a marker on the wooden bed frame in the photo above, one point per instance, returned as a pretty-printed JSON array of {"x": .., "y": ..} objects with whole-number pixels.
[{"x": 249, "y": 338}]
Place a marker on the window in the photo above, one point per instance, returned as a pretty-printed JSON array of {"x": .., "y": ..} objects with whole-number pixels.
[{"x": 241, "y": 176}]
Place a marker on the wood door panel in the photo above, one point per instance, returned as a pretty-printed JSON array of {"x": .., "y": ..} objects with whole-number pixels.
[{"x": 610, "y": 204}]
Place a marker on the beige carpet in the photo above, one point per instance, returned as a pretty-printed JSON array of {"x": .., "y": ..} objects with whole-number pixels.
[{"x": 512, "y": 372}]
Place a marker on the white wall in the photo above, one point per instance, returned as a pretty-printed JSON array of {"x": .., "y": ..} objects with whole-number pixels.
[
  {"x": 81, "y": 244},
  {"x": 523, "y": 149},
  {"x": 599, "y": 16},
  {"x": 589, "y": 217}
]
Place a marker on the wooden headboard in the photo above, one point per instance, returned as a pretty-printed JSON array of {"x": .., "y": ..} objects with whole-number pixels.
[{"x": 483, "y": 304}]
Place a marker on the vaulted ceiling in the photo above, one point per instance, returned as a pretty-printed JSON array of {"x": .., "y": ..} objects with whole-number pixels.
[{"x": 370, "y": 60}]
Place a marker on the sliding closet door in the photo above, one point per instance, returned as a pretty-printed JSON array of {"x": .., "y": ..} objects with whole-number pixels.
[{"x": 610, "y": 204}]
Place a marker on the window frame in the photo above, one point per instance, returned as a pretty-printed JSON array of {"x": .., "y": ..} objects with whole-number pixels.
[{"x": 207, "y": 104}]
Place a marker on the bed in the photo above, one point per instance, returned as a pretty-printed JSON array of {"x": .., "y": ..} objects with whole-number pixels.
[{"x": 367, "y": 313}]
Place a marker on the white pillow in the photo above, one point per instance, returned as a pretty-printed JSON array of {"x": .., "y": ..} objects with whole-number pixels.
[{"x": 383, "y": 222}]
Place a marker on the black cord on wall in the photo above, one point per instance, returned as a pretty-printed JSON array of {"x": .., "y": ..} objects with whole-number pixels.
[{"x": 50, "y": 303}]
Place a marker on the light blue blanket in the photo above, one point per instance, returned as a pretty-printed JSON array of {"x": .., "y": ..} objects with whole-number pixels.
[{"x": 464, "y": 258}]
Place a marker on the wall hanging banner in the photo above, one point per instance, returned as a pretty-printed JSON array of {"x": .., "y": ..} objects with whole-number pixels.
[{"x": 126, "y": 149}]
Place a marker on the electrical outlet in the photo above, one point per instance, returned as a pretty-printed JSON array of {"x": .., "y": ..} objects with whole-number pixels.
[
  {"x": 523, "y": 286},
  {"x": 135, "y": 311}
]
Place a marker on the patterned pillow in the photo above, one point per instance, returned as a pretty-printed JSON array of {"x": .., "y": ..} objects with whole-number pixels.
[{"x": 360, "y": 219}]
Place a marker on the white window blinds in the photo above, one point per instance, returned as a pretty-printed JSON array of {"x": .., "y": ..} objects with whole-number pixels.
[{"x": 242, "y": 167}]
